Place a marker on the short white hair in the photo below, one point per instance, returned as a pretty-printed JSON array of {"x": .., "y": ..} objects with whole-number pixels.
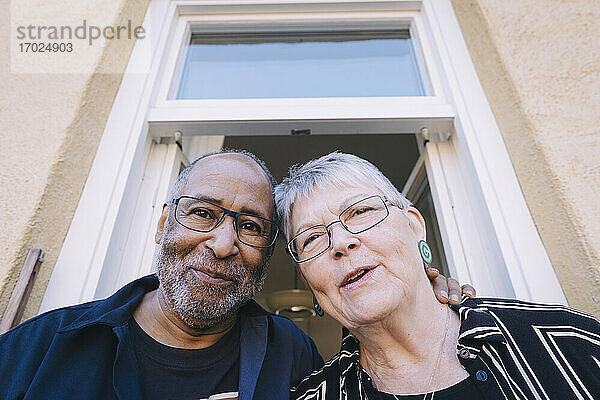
[{"x": 337, "y": 169}]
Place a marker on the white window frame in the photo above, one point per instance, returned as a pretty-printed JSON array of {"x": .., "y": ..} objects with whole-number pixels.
[
  {"x": 247, "y": 116},
  {"x": 481, "y": 210}
]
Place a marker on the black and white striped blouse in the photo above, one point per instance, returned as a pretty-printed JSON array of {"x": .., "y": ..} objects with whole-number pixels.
[{"x": 513, "y": 349}]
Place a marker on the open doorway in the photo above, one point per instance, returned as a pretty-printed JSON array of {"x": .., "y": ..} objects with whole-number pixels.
[{"x": 396, "y": 156}]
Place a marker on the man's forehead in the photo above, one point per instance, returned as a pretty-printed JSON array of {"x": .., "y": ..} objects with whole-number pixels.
[
  {"x": 226, "y": 163},
  {"x": 231, "y": 180}
]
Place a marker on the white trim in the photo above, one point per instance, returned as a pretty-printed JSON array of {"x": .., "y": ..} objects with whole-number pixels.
[
  {"x": 313, "y": 6},
  {"x": 444, "y": 210},
  {"x": 119, "y": 158},
  {"x": 323, "y": 116},
  {"x": 284, "y": 127},
  {"x": 132, "y": 244},
  {"x": 173, "y": 162},
  {"x": 299, "y": 109},
  {"x": 531, "y": 273},
  {"x": 424, "y": 50},
  {"x": 248, "y": 116},
  {"x": 175, "y": 60},
  {"x": 413, "y": 178}
]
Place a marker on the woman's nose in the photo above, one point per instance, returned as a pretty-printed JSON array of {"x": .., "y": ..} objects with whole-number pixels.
[{"x": 342, "y": 241}]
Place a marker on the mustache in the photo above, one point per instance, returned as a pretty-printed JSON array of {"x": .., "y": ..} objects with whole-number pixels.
[{"x": 226, "y": 269}]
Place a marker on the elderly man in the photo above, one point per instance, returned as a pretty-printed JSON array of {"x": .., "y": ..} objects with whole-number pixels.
[{"x": 192, "y": 331}]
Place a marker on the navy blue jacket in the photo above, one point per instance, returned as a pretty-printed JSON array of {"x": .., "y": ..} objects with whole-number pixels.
[{"x": 82, "y": 352}]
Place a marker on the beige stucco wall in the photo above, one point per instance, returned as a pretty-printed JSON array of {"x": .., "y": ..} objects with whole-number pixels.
[
  {"x": 539, "y": 64},
  {"x": 51, "y": 125}
]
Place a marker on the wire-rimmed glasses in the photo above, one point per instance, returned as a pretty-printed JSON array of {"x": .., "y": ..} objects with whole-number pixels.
[
  {"x": 203, "y": 216},
  {"x": 356, "y": 218}
]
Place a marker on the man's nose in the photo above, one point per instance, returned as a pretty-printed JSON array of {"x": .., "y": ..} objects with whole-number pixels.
[
  {"x": 223, "y": 239},
  {"x": 342, "y": 241}
]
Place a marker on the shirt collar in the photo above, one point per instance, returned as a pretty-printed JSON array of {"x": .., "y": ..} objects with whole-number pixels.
[
  {"x": 349, "y": 355},
  {"x": 117, "y": 309},
  {"x": 477, "y": 326}
]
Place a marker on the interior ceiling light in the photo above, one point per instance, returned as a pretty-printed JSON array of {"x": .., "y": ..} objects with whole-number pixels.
[{"x": 294, "y": 304}]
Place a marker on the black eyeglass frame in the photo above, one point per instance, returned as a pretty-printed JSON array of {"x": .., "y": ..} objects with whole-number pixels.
[
  {"x": 289, "y": 250},
  {"x": 226, "y": 212}
]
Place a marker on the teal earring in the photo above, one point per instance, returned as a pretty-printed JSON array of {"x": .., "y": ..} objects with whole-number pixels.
[
  {"x": 318, "y": 308},
  {"x": 425, "y": 252}
]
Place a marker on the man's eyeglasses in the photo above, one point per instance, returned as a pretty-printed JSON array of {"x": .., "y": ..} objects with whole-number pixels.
[
  {"x": 357, "y": 218},
  {"x": 204, "y": 216}
]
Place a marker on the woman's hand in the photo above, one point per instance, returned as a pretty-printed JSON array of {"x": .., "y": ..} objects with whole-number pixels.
[{"x": 442, "y": 286}]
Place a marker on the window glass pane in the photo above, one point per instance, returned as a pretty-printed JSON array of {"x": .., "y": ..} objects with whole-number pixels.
[{"x": 284, "y": 65}]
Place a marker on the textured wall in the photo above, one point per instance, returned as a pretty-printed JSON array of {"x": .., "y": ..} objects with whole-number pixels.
[
  {"x": 51, "y": 125},
  {"x": 539, "y": 64}
]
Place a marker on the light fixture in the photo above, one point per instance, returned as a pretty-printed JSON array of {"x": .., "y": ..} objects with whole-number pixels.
[{"x": 295, "y": 304}]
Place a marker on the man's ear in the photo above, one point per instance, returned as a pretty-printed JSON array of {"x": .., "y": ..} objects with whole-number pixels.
[
  {"x": 161, "y": 223},
  {"x": 416, "y": 222}
]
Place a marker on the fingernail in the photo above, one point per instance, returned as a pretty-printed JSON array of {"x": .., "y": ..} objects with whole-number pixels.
[
  {"x": 444, "y": 294},
  {"x": 454, "y": 298}
]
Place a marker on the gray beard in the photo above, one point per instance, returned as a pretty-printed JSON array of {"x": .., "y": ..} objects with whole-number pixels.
[{"x": 203, "y": 306}]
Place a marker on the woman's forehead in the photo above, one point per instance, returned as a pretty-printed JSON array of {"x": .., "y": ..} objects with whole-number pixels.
[{"x": 329, "y": 198}]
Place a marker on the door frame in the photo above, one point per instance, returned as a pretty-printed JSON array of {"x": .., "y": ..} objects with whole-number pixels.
[{"x": 471, "y": 176}]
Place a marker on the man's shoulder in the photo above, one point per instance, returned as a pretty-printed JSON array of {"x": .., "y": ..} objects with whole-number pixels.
[
  {"x": 82, "y": 314},
  {"x": 512, "y": 311},
  {"x": 284, "y": 324},
  {"x": 53, "y": 320},
  {"x": 25, "y": 346}
]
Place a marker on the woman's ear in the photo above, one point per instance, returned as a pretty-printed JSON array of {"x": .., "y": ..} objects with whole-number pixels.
[
  {"x": 299, "y": 272},
  {"x": 304, "y": 279},
  {"x": 416, "y": 222}
]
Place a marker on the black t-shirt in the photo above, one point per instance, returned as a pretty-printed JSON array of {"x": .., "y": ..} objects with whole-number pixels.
[
  {"x": 463, "y": 390},
  {"x": 172, "y": 373}
]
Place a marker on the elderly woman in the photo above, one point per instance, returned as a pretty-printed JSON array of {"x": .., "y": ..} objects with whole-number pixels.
[{"x": 361, "y": 248}]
